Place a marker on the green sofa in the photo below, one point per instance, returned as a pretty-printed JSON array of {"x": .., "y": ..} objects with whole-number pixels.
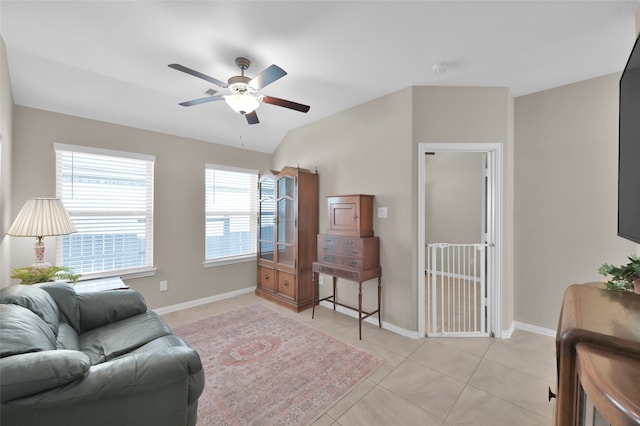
[{"x": 92, "y": 359}]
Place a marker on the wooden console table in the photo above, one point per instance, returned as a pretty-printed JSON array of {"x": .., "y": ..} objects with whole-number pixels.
[
  {"x": 350, "y": 274},
  {"x": 598, "y": 356}
]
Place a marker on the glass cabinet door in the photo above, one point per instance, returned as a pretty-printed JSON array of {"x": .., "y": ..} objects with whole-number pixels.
[
  {"x": 267, "y": 218},
  {"x": 286, "y": 225}
]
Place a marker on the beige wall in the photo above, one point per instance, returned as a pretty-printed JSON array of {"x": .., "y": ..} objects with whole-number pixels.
[
  {"x": 566, "y": 201},
  {"x": 6, "y": 141},
  {"x": 453, "y": 197},
  {"x": 179, "y": 197},
  {"x": 367, "y": 150}
]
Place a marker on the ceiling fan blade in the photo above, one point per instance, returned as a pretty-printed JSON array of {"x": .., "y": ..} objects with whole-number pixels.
[
  {"x": 267, "y": 77},
  {"x": 252, "y": 118},
  {"x": 198, "y": 74},
  {"x": 202, "y": 100},
  {"x": 286, "y": 104}
]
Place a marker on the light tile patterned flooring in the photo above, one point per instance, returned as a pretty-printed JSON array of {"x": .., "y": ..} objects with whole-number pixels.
[{"x": 431, "y": 381}]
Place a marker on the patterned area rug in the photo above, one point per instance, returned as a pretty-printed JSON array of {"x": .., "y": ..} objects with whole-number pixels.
[{"x": 263, "y": 368}]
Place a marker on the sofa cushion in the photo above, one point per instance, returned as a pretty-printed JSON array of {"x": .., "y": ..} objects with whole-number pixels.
[
  {"x": 64, "y": 295},
  {"x": 67, "y": 337},
  {"x": 35, "y": 372},
  {"x": 23, "y": 331},
  {"x": 194, "y": 364},
  {"x": 100, "y": 308},
  {"x": 117, "y": 338},
  {"x": 35, "y": 299}
]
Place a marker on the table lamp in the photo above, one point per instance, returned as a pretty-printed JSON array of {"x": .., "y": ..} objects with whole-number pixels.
[{"x": 42, "y": 217}]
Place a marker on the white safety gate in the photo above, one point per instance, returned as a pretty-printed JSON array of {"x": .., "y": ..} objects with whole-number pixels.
[{"x": 456, "y": 290}]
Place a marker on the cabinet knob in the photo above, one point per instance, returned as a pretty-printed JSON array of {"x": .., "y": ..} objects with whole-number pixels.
[
  {"x": 266, "y": 277},
  {"x": 286, "y": 284}
]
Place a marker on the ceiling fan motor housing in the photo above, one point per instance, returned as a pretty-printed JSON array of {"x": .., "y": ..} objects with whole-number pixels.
[{"x": 240, "y": 84}]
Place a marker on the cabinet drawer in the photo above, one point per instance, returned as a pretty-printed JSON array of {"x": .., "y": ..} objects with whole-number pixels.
[
  {"x": 351, "y": 262},
  {"x": 266, "y": 278},
  {"x": 336, "y": 272},
  {"x": 357, "y": 253},
  {"x": 337, "y": 244},
  {"x": 342, "y": 251},
  {"x": 286, "y": 285}
]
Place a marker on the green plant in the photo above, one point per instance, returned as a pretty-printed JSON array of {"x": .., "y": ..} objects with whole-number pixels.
[
  {"x": 32, "y": 275},
  {"x": 622, "y": 276}
]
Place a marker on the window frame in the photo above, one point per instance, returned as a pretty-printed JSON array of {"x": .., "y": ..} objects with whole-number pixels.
[
  {"x": 246, "y": 257},
  {"x": 128, "y": 272}
]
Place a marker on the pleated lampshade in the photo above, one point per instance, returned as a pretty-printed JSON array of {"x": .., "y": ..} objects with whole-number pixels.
[{"x": 41, "y": 217}]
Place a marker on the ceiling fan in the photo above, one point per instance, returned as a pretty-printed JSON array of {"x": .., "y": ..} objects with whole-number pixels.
[{"x": 244, "y": 97}]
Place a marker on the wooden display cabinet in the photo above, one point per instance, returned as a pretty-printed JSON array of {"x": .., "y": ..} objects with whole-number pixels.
[{"x": 287, "y": 229}]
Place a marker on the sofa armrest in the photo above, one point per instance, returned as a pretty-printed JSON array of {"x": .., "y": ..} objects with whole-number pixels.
[
  {"x": 128, "y": 375},
  {"x": 104, "y": 307},
  {"x": 35, "y": 372}
]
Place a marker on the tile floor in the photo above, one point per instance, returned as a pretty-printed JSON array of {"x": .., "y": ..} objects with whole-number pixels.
[{"x": 433, "y": 381}]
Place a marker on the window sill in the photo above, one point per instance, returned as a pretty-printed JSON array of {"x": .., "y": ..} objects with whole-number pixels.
[
  {"x": 125, "y": 274},
  {"x": 229, "y": 260}
]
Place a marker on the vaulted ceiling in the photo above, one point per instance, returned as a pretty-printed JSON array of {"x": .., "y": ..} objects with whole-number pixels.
[{"x": 107, "y": 60}]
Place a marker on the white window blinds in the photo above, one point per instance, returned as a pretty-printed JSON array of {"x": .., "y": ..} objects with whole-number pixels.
[
  {"x": 109, "y": 196},
  {"x": 231, "y": 204}
]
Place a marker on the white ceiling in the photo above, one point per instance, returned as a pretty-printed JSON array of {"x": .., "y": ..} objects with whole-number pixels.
[{"x": 107, "y": 60}]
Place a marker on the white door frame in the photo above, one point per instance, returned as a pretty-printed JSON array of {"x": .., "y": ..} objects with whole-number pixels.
[{"x": 494, "y": 227}]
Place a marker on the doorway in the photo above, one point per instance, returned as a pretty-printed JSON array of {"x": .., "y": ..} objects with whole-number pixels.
[{"x": 459, "y": 236}]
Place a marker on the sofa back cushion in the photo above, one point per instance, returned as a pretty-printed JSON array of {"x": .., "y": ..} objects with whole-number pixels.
[
  {"x": 23, "y": 331},
  {"x": 36, "y": 300},
  {"x": 64, "y": 295},
  {"x": 104, "y": 307},
  {"x": 67, "y": 338}
]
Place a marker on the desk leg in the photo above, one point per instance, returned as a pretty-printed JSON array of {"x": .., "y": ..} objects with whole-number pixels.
[
  {"x": 335, "y": 280},
  {"x": 379, "y": 294},
  {"x": 314, "y": 280},
  {"x": 360, "y": 310}
]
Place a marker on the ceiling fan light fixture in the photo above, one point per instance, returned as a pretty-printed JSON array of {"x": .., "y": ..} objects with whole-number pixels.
[{"x": 242, "y": 103}]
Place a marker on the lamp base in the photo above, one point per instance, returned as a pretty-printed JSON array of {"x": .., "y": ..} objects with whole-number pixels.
[
  {"x": 41, "y": 265},
  {"x": 38, "y": 248}
]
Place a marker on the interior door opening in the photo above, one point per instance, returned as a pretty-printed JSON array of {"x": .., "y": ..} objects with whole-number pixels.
[{"x": 458, "y": 230}]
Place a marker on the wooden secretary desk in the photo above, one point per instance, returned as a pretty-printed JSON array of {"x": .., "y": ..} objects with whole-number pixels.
[
  {"x": 598, "y": 356},
  {"x": 349, "y": 250}
]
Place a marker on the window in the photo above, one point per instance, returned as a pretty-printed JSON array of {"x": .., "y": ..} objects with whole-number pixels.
[
  {"x": 231, "y": 204},
  {"x": 109, "y": 196}
]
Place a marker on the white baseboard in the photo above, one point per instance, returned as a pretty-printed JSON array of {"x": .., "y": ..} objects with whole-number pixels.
[
  {"x": 204, "y": 300},
  {"x": 534, "y": 328},
  {"x": 506, "y": 334},
  {"x": 374, "y": 321}
]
